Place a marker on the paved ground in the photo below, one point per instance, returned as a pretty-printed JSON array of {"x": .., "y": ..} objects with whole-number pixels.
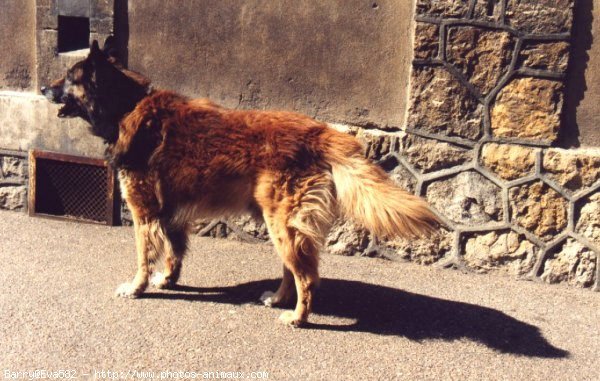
[{"x": 374, "y": 319}]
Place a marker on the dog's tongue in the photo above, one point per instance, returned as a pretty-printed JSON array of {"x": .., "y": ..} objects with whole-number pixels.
[
  {"x": 63, "y": 111},
  {"x": 66, "y": 111}
]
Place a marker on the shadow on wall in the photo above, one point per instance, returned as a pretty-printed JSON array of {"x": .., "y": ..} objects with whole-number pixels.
[
  {"x": 121, "y": 29},
  {"x": 581, "y": 42},
  {"x": 388, "y": 311}
]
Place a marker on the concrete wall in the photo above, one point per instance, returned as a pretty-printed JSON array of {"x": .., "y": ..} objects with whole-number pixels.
[
  {"x": 29, "y": 121},
  {"x": 342, "y": 60},
  {"x": 17, "y": 44},
  {"x": 30, "y": 60}
]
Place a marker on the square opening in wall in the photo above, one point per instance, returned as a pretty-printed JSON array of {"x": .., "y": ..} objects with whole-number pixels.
[{"x": 73, "y": 33}]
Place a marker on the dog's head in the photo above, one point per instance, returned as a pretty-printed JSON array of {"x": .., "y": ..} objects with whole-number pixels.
[{"x": 98, "y": 89}]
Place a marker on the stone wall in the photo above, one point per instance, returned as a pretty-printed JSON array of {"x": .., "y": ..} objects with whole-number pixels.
[
  {"x": 14, "y": 174},
  {"x": 486, "y": 103}
]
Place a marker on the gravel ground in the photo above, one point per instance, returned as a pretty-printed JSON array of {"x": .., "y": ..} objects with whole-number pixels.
[{"x": 374, "y": 319}]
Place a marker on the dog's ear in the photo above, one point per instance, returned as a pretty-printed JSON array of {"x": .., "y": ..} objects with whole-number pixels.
[
  {"x": 110, "y": 48},
  {"x": 95, "y": 48},
  {"x": 95, "y": 53}
]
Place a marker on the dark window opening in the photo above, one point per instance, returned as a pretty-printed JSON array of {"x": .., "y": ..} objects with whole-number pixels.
[{"x": 73, "y": 33}]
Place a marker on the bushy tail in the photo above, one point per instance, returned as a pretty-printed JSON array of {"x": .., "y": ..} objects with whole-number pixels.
[{"x": 367, "y": 194}]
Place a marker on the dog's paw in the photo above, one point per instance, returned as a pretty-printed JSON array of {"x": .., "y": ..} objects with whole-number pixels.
[
  {"x": 290, "y": 318},
  {"x": 267, "y": 298},
  {"x": 159, "y": 280},
  {"x": 129, "y": 290}
]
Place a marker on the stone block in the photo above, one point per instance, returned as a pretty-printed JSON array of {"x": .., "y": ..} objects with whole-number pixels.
[
  {"x": 13, "y": 197},
  {"x": 45, "y": 3},
  {"x": 345, "y": 238},
  {"x": 74, "y": 8},
  {"x": 13, "y": 169},
  {"x": 47, "y": 51},
  {"x": 573, "y": 264},
  {"x": 588, "y": 224},
  {"x": 443, "y": 8},
  {"x": 377, "y": 144},
  {"x": 46, "y": 14},
  {"x": 101, "y": 27},
  {"x": 540, "y": 16},
  {"x": 487, "y": 12},
  {"x": 424, "y": 251},
  {"x": 528, "y": 108},
  {"x": 426, "y": 44},
  {"x": 102, "y": 8},
  {"x": 467, "y": 198},
  {"x": 539, "y": 209},
  {"x": 550, "y": 56},
  {"x": 572, "y": 169},
  {"x": 508, "y": 161},
  {"x": 504, "y": 251},
  {"x": 398, "y": 173},
  {"x": 220, "y": 230},
  {"x": 254, "y": 227},
  {"x": 481, "y": 55},
  {"x": 430, "y": 155},
  {"x": 45, "y": 20},
  {"x": 243, "y": 227},
  {"x": 440, "y": 104}
]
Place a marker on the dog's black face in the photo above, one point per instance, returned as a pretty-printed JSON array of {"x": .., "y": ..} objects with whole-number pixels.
[
  {"x": 99, "y": 90},
  {"x": 71, "y": 92}
]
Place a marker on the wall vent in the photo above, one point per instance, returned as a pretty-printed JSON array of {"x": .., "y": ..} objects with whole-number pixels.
[{"x": 71, "y": 187}]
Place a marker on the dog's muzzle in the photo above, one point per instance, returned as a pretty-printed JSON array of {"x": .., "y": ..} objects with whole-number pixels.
[
  {"x": 53, "y": 94},
  {"x": 56, "y": 95}
]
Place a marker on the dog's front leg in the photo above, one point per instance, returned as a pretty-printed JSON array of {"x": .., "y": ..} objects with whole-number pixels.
[{"x": 143, "y": 231}]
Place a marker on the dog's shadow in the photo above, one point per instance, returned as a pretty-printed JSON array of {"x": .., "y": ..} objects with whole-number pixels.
[{"x": 388, "y": 311}]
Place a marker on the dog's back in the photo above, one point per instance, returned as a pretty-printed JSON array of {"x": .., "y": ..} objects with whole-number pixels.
[{"x": 206, "y": 154}]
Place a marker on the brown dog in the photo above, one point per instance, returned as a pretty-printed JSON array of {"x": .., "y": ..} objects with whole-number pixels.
[{"x": 179, "y": 159}]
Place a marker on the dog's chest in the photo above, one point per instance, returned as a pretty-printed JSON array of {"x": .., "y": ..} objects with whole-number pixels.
[
  {"x": 124, "y": 182},
  {"x": 135, "y": 185}
]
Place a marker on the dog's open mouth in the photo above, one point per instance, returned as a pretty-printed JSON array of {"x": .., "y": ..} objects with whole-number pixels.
[{"x": 69, "y": 110}]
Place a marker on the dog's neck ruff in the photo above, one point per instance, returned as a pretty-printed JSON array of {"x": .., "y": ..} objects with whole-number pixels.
[{"x": 149, "y": 90}]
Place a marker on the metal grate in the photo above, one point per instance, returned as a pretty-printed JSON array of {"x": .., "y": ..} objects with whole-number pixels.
[{"x": 71, "y": 187}]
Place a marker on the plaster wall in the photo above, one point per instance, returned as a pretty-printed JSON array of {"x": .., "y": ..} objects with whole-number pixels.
[{"x": 342, "y": 60}]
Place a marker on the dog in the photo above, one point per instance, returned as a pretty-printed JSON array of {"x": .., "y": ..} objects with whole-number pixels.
[{"x": 179, "y": 159}]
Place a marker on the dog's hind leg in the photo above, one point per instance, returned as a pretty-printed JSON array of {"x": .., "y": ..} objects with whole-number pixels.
[
  {"x": 303, "y": 261},
  {"x": 147, "y": 242},
  {"x": 269, "y": 197},
  {"x": 284, "y": 293},
  {"x": 298, "y": 222},
  {"x": 174, "y": 247}
]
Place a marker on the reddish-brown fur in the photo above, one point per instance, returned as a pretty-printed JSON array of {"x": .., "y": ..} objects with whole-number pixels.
[
  {"x": 211, "y": 161},
  {"x": 180, "y": 159}
]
